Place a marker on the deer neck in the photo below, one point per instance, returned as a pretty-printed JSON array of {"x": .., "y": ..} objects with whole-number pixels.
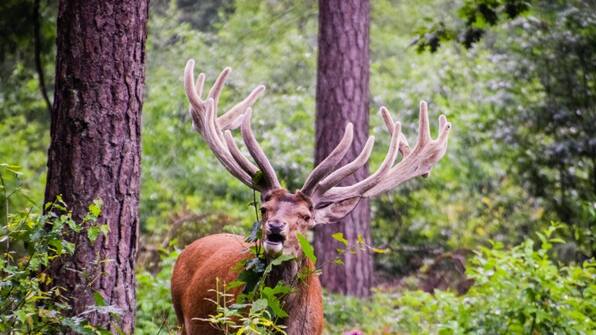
[
  {"x": 298, "y": 274},
  {"x": 285, "y": 273}
]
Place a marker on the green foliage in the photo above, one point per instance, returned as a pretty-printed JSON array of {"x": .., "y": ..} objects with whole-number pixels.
[
  {"x": 232, "y": 318},
  {"x": 517, "y": 291},
  {"x": 258, "y": 309},
  {"x": 476, "y": 15},
  {"x": 307, "y": 248},
  {"x": 155, "y": 314},
  {"x": 29, "y": 241}
]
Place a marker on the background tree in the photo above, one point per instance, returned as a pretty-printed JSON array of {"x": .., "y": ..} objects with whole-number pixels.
[
  {"x": 342, "y": 96},
  {"x": 95, "y": 150}
]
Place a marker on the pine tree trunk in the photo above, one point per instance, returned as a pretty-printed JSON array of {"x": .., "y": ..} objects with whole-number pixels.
[
  {"x": 342, "y": 96},
  {"x": 95, "y": 148}
]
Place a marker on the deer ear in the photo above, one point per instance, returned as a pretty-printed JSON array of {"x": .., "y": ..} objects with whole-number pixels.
[{"x": 334, "y": 211}]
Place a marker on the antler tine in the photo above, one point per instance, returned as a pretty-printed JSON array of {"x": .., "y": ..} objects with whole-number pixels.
[
  {"x": 218, "y": 85},
  {"x": 210, "y": 134},
  {"x": 257, "y": 152},
  {"x": 338, "y": 193},
  {"x": 404, "y": 148},
  {"x": 338, "y": 175},
  {"x": 416, "y": 162},
  {"x": 426, "y": 153},
  {"x": 206, "y": 122},
  {"x": 331, "y": 161},
  {"x": 423, "y": 125},
  {"x": 245, "y": 164},
  {"x": 232, "y": 118}
]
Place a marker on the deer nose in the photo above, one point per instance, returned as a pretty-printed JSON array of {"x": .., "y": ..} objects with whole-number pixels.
[{"x": 275, "y": 226}]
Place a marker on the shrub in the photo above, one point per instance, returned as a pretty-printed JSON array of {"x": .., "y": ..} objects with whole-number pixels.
[
  {"x": 517, "y": 291},
  {"x": 29, "y": 302},
  {"x": 155, "y": 313}
]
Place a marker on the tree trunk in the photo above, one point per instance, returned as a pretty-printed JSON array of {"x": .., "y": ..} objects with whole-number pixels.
[
  {"x": 95, "y": 148},
  {"x": 342, "y": 96}
]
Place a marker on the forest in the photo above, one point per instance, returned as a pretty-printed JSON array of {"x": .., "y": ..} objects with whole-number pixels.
[{"x": 106, "y": 177}]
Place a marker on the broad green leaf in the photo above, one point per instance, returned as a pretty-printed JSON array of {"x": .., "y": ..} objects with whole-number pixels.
[
  {"x": 307, "y": 248},
  {"x": 281, "y": 258},
  {"x": 99, "y": 300}
]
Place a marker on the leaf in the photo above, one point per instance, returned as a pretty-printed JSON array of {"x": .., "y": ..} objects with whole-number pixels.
[
  {"x": 105, "y": 229},
  {"x": 271, "y": 294},
  {"x": 275, "y": 306},
  {"x": 280, "y": 288},
  {"x": 99, "y": 300},
  {"x": 69, "y": 247},
  {"x": 235, "y": 283},
  {"x": 379, "y": 251},
  {"x": 339, "y": 236},
  {"x": 93, "y": 233},
  {"x": 95, "y": 208},
  {"x": 258, "y": 305},
  {"x": 256, "y": 265},
  {"x": 281, "y": 258},
  {"x": 307, "y": 248}
]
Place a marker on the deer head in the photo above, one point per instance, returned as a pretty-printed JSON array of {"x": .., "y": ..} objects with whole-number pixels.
[{"x": 320, "y": 200}]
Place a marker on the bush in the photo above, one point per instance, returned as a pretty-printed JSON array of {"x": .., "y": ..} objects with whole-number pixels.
[
  {"x": 155, "y": 313},
  {"x": 517, "y": 291},
  {"x": 29, "y": 302}
]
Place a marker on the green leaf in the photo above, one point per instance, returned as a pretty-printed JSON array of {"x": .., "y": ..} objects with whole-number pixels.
[
  {"x": 281, "y": 258},
  {"x": 275, "y": 305},
  {"x": 280, "y": 288},
  {"x": 307, "y": 248},
  {"x": 258, "y": 305},
  {"x": 379, "y": 251},
  {"x": 271, "y": 294},
  {"x": 95, "y": 208},
  {"x": 99, "y": 300},
  {"x": 235, "y": 283},
  {"x": 92, "y": 233},
  {"x": 105, "y": 229},
  {"x": 339, "y": 236}
]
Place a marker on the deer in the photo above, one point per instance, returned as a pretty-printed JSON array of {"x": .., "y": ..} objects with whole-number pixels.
[{"x": 321, "y": 200}]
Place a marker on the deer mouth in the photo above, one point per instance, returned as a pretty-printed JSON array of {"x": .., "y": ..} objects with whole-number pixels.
[{"x": 275, "y": 238}]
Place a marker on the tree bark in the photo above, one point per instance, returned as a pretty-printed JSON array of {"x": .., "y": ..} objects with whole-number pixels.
[
  {"x": 95, "y": 148},
  {"x": 342, "y": 96}
]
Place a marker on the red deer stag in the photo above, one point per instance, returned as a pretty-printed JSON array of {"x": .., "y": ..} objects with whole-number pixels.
[{"x": 319, "y": 201}]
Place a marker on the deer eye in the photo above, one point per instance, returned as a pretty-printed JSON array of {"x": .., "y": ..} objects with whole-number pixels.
[
  {"x": 305, "y": 217},
  {"x": 263, "y": 210}
]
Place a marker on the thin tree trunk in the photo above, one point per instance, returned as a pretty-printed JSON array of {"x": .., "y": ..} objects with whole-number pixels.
[
  {"x": 95, "y": 148},
  {"x": 342, "y": 96}
]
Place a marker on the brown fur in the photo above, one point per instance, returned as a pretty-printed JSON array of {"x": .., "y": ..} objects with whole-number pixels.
[{"x": 215, "y": 256}]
